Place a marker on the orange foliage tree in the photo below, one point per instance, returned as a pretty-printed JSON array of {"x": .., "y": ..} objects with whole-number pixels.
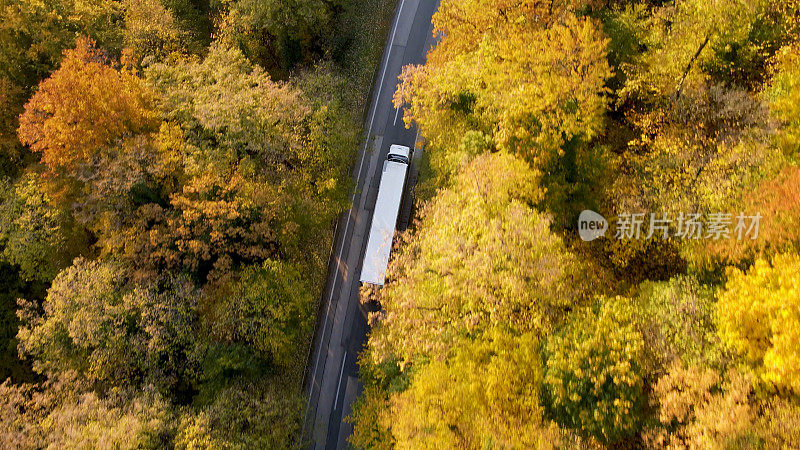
[{"x": 86, "y": 105}]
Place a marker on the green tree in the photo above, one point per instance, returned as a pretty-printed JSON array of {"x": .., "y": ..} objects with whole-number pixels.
[
  {"x": 152, "y": 32},
  {"x": 62, "y": 413},
  {"x": 268, "y": 307},
  {"x": 594, "y": 378},
  {"x": 247, "y": 414},
  {"x": 10, "y": 107},
  {"x": 33, "y": 34},
  {"x": 265, "y": 166},
  {"x": 232, "y": 112},
  {"x": 276, "y": 33},
  {"x": 783, "y": 96},
  {"x": 98, "y": 325},
  {"x": 120, "y": 421},
  {"x": 36, "y": 235},
  {"x": 676, "y": 318}
]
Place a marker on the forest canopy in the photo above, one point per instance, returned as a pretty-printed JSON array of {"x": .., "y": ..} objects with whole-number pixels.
[
  {"x": 170, "y": 172},
  {"x": 501, "y": 326}
]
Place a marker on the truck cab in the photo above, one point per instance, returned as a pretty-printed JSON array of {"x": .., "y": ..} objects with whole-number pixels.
[{"x": 399, "y": 154}]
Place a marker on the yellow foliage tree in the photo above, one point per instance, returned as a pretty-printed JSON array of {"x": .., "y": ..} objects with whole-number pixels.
[
  {"x": 482, "y": 256},
  {"x": 501, "y": 69},
  {"x": 783, "y": 96},
  {"x": 703, "y": 133},
  {"x": 485, "y": 395},
  {"x": 682, "y": 39},
  {"x": 758, "y": 317}
]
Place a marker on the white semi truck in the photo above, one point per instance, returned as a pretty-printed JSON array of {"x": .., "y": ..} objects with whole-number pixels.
[{"x": 384, "y": 218}]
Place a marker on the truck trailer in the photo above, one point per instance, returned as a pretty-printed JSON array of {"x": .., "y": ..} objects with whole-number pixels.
[{"x": 384, "y": 217}]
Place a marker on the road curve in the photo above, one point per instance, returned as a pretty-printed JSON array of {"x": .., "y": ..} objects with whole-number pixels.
[{"x": 331, "y": 381}]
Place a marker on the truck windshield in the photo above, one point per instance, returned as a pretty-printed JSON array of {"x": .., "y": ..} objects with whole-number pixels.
[{"x": 397, "y": 159}]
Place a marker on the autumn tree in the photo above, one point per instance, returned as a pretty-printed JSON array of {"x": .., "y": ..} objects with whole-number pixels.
[
  {"x": 122, "y": 180},
  {"x": 22, "y": 412},
  {"x": 469, "y": 22},
  {"x": 698, "y": 117},
  {"x": 758, "y": 318},
  {"x": 777, "y": 201},
  {"x": 700, "y": 133},
  {"x": 696, "y": 153},
  {"x": 200, "y": 193},
  {"x": 84, "y": 106},
  {"x": 689, "y": 40},
  {"x": 98, "y": 132},
  {"x": 481, "y": 256},
  {"x": 485, "y": 394},
  {"x": 207, "y": 228},
  {"x": 778, "y": 424},
  {"x": 594, "y": 378},
  {"x": 481, "y": 276},
  {"x": 371, "y": 419},
  {"x": 699, "y": 408},
  {"x": 14, "y": 287},
  {"x": 500, "y": 70}
]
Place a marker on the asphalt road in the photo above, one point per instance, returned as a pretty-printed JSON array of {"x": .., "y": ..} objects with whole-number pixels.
[{"x": 332, "y": 381}]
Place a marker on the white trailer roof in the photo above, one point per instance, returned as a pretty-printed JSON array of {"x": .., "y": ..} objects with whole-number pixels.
[{"x": 384, "y": 221}]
